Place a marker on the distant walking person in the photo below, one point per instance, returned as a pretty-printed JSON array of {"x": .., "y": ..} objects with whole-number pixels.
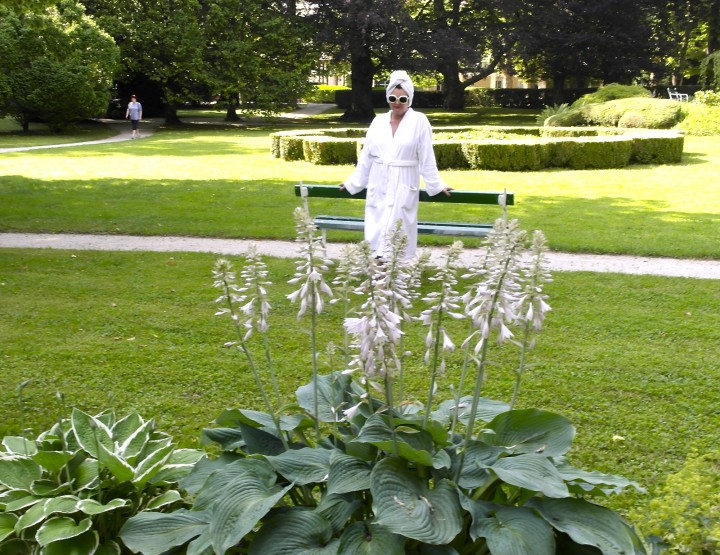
[{"x": 134, "y": 114}]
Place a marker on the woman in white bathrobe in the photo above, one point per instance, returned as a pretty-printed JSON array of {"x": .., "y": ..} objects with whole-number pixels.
[{"x": 396, "y": 153}]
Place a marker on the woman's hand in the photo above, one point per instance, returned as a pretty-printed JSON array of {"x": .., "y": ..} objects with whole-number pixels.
[
  {"x": 446, "y": 191},
  {"x": 342, "y": 186}
]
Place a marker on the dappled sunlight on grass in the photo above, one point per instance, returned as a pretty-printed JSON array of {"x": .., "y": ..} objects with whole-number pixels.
[{"x": 224, "y": 182}]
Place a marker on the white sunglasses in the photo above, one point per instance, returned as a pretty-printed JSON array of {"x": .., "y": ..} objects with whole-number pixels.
[{"x": 400, "y": 99}]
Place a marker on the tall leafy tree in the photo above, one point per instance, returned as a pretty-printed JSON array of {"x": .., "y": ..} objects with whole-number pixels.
[
  {"x": 371, "y": 35},
  {"x": 56, "y": 65},
  {"x": 257, "y": 52},
  {"x": 563, "y": 40},
  {"x": 686, "y": 30},
  {"x": 162, "y": 40},
  {"x": 463, "y": 40}
]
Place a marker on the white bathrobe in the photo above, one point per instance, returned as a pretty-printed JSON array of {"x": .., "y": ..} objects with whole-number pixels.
[{"x": 390, "y": 168}]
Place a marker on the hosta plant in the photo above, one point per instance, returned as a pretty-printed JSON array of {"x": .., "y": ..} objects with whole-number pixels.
[
  {"x": 70, "y": 490},
  {"x": 352, "y": 467}
]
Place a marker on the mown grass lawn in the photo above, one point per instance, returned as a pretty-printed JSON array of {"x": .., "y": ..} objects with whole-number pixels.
[
  {"x": 631, "y": 360},
  {"x": 222, "y": 182}
]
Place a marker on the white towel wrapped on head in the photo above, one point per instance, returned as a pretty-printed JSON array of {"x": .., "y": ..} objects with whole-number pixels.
[{"x": 400, "y": 79}]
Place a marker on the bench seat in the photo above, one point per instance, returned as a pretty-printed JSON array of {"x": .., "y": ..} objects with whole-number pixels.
[
  {"x": 449, "y": 229},
  {"x": 453, "y": 229}
]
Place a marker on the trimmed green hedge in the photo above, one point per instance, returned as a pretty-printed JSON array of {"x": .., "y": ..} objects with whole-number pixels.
[{"x": 501, "y": 149}]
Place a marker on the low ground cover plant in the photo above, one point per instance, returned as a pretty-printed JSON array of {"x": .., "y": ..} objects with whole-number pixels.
[
  {"x": 684, "y": 515},
  {"x": 353, "y": 465}
]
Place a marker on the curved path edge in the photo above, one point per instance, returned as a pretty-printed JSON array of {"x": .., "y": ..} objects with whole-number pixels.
[{"x": 559, "y": 261}]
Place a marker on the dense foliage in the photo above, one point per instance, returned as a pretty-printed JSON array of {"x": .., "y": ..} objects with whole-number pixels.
[
  {"x": 72, "y": 488},
  {"x": 352, "y": 466},
  {"x": 56, "y": 66}
]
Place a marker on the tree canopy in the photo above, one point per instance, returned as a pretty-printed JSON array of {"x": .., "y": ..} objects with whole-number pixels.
[{"x": 56, "y": 65}]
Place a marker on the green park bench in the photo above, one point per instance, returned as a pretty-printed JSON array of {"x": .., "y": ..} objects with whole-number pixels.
[{"x": 452, "y": 229}]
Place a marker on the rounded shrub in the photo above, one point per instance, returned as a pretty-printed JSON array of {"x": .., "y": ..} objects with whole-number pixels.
[
  {"x": 632, "y": 119},
  {"x": 611, "y": 91},
  {"x": 657, "y": 113},
  {"x": 700, "y": 119}
]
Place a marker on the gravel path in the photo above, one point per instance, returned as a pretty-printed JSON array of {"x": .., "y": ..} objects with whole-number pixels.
[{"x": 702, "y": 269}]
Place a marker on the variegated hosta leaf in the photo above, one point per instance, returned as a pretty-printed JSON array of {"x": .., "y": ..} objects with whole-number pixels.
[
  {"x": 91, "y": 432},
  {"x": 7, "y": 525},
  {"x": 19, "y": 445},
  {"x": 19, "y": 472},
  {"x": 92, "y": 507},
  {"x": 84, "y": 544},
  {"x": 61, "y": 528},
  {"x": 163, "y": 499}
]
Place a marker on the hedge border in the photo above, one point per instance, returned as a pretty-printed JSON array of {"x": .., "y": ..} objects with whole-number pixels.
[{"x": 544, "y": 147}]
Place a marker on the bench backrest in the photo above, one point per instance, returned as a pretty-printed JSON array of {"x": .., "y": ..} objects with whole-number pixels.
[{"x": 305, "y": 190}]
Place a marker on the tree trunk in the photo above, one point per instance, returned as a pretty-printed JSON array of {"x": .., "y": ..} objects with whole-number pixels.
[
  {"x": 362, "y": 73},
  {"x": 714, "y": 27},
  {"x": 453, "y": 90},
  {"x": 171, "y": 115},
  {"x": 231, "y": 113},
  {"x": 558, "y": 89}
]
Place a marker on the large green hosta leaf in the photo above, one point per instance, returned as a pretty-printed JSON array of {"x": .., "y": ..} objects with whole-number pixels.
[
  {"x": 257, "y": 419},
  {"x": 364, "y": 538},
  {"x": 583, "y": 481},
  {"x": 244, "y": 501},
  {"x": 530, "y": 431},
  {"x": 347, "y": 474},
  {"x": 589, "y": 524},
  {"x": 194, "y": 481},
  {"x": 334, "y": 395},
  {"x": 303, "y": 466},
  {"x": 405, "y": 504},
  {"x": 477, "y": 457},
  {"x": 412, "y": 444},
  {"x": 487, "y": 410},
  {"x": 217, "y": 481},
  {"x": 295, "y": 532},
  {"x": 338, "y": 509},
  {"x": 156, "y": 533},
  {"x": 512, "y": 530},
  {"x": 533, "y": 472}
]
